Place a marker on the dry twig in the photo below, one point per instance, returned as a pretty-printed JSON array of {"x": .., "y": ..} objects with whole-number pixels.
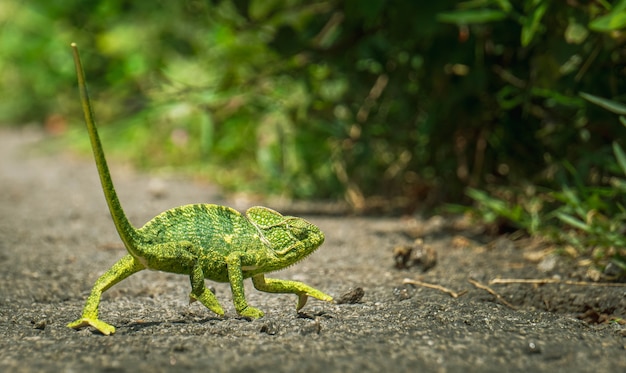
[
  {"x": 543, "y": 281},
  {"x": 492, "y": 292},
  {"x": 452, "y": 293}
]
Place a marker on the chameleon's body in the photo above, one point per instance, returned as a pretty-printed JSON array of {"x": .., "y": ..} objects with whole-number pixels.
[{"x": 201, "y": 241}]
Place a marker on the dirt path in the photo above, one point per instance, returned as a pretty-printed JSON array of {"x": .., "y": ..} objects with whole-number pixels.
[{"x": 56, "y": 238}]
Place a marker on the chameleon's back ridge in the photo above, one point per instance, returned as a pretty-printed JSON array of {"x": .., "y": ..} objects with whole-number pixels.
[{"x": 201, "y": 241}]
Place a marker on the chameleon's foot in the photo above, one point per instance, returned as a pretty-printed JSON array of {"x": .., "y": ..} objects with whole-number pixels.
[
  {"x": 303, "y": 297},
  {"x": 100, "y": 325},
  {"x": 251, "y": 313},
  {"x": 324, "y": 297},
  {"x": 207, "y": 298}
]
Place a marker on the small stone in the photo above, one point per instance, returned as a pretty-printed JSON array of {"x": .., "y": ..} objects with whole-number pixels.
[
  {"x": 41, "y": 324},
  {"x": 416, "y": 255},
  {"x": 353, "y": 296},
  {"x": 594, "y": 275},
  {"x": 402, "y": 293},
  {"x": 612, "y": 270},
  {"x": 533, "y": 348},
  {"x": 401, "y": 256},
  {"x": 547, "y": 264},
  {"x": 269, "y": 328},
  {"x": 427, "y": 257}
]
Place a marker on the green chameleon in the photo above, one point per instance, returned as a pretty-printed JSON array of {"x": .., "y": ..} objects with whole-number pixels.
[{"x": 201, "y": 241}]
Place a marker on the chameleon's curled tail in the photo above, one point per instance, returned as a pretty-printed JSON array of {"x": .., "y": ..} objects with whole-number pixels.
[{"x": 124, "y": 228}]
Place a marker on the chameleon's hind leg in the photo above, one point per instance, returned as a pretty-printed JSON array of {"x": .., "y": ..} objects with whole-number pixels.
[
  {"x": 200, "y": 292},
  {"x": 120, "y": 270},
  {"x": 182, "y": 257}
]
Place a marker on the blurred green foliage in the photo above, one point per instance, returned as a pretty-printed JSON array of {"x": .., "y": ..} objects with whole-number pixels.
[
  {"x": 589, "y": 216},
  {"x": 406, "y": 100}
]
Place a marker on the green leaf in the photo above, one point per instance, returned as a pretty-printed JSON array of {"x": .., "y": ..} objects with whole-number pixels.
[
  {"x": 570, "y": 220},
  {"x": 505, "y": 5},
  {"x": 260, "y": 9},
  {"x": 464, "y": 17},
  {"x": 532, "y": 23},
  {"x": 557, "y": 97},
  {"x": 620, "y": 156},
  {"x": 612, "y": 106},
  {"x": 620, "y": 262},
  {"x": 608, "y": 23},
  {"x": 615, "y": 20}
]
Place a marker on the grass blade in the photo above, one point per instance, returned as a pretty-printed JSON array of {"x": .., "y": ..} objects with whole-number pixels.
[
  {"x": 610, "y": 105},
  {"x": 570, "y": 220},
  {"x": 620, "y": 156}
]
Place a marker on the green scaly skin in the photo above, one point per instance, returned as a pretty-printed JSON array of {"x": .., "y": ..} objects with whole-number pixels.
[{"x": 201, "y": 241}]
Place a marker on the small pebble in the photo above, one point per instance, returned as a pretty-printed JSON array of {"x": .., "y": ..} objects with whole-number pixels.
[
  {"x": 41, "y": 324},
  {"x": 353, "y": 296},
  {"x": 547, "y": 264},
  {"x": 269, "y": 328},
  {"x": 416, "y": 255},
  {"x": 532, "y": 348},
  {"x": 402, "y": 293}
]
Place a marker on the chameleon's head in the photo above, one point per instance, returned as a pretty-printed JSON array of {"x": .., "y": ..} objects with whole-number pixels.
[{"x": 290, "y": 237}]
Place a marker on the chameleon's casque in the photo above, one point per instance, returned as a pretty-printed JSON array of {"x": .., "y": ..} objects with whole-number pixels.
[{"x": 201, "y": 241}]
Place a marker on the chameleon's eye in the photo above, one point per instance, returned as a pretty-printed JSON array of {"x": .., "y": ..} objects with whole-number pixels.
[{"x": 299, "y": 233}]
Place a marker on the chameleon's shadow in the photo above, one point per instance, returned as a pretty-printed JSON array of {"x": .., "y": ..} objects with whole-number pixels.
[{"x": 135, "y": 326}]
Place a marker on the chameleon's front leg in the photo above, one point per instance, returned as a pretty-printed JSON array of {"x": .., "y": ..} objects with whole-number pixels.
[
  {"x": 120, "y": 270},
  {"x": 235, "y": 277},
  {"x": 272, "y": 285}
]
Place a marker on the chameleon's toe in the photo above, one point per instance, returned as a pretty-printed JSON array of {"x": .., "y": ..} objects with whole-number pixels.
[
  {"x": 325, "y": 297},
  {"x": 315, "y": 294},
  {"x": 251, "y": 312},
  {"x": 219, "y": 311},
  {"x": 208, "y": 300},
  {"x": 100, "y": 325},
  {"x": 302, "y": 298}
]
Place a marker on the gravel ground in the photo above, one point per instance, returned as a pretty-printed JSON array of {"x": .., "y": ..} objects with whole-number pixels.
[{"x": 56, "y": 238}]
